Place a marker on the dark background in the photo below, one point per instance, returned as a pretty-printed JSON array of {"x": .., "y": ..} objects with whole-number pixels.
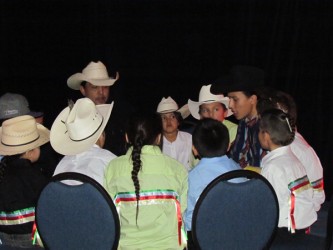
[{"x": 163, "y": 48}]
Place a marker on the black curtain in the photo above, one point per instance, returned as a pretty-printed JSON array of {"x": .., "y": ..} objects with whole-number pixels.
[{"x": 163, "y": 48}]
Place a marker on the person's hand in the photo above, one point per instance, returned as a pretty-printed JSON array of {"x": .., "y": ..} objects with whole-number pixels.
[{"x": 255, "y": 169}]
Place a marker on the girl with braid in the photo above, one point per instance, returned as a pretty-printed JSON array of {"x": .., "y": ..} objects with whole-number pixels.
[
  {"x": 286, "y": 174},
  {"x": 148, "y": 188}
]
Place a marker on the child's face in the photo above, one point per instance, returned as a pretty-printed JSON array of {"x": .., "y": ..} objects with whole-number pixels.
[
  {"x": 169, "y": 122},
  {"x": 214, "y": 110}
]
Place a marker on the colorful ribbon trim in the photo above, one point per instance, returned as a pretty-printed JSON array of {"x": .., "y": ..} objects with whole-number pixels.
[
  {"x": 295, "y": 187},
  {"x": 17, "y": 217},
  {"x": 154, "y": 195},
  {"x": 318, "y": 185}
]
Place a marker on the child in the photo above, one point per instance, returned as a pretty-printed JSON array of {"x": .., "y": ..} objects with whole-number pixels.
[
  {"x": 286, "y": 173},
  {"x": 149, "y": 189},
  {"x": 20, "y": 181},
  {"x": 78, "y": 133},
  {"x": 210, "y": 144},
  {"x": 300, "y": 147},
  {"x": 176, "y": 144},
  {"x": 215, "y": 107}
]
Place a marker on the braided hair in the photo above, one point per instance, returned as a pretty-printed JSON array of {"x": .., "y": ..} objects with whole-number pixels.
[
  {"x": 141, "y": 130},
  {"x": 279, "y": 125}
]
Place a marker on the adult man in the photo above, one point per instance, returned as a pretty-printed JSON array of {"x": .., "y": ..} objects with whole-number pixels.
[
  {"x": 242, "y": 85},
  {"x": 94, "y": 83}
]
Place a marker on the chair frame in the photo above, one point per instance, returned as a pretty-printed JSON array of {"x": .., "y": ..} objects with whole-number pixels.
[
  {"x": 225, "y": 177},
  {"x": 86, "y": 179}
]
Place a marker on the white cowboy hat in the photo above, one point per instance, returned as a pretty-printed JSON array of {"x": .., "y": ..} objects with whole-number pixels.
[
  {"x": 77, "y": 129},
  {"x": 205, "y": 96},
  {"x": 95, "y": 73},
  {"x": 21, "y": 134},
  {"x": 168, "y": 105}
]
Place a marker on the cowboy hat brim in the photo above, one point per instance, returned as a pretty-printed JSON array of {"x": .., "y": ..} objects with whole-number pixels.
[
  {"x": 194, "y": 106},
  {"x": 62, "y": 143},
  {"x": 74, "y": 81},
  {"x": 184, "y": 111},
  {"x": 44, "y": 137}
]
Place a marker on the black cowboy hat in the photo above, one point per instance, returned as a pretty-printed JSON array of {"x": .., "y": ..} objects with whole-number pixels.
[{"x": 240, "y": 78}]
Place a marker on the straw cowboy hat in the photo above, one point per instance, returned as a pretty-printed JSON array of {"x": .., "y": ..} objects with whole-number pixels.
[
  {"x": 205, "y": 96},
  {"x": 77, "y": 128},
  {"x": 21, "y": 134},
  {"x": 12, "y": 105},
  {"x": 168, "y": 105},
  {"x": 95, "y": 73}
]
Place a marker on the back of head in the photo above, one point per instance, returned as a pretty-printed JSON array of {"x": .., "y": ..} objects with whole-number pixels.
[
  {"x": 210, "y": 138},
  {"x": 287, "y": 104},
  {"x": 279, "y": 100},
  {"x": 278, "y": 125},
  {"x": 143, "y": 129}
]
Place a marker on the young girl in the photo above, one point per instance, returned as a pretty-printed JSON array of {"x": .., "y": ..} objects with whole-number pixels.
[
  {"x": 149, "y": 189},
  {"x": 20, "y": 181},
  {"x": 286, "y": 173}
]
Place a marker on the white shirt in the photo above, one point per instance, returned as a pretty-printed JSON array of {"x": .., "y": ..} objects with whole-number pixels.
[
  {"x": 180, "y": 149},
  {"x": 91, "y": 163},
  {"x": 314, "y": 170},
  {"x": 283, "y": 170}
]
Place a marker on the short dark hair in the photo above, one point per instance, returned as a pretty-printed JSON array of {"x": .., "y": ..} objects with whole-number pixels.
[
  {"x": 83, "y": 84},
  {"x": 280, "y": 100},
  {"x": 279, "y": 125},
  {"x": 210, "y": 138}
]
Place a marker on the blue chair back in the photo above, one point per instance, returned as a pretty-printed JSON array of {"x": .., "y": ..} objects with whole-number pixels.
[
  {"x": 77, "y": 216},
  {"x": 230, "y": 215}
]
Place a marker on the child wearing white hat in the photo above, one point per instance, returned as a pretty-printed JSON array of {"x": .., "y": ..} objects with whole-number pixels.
[
  {"x": 176, "y": 144},
  {"x": 78, "y": 133},
  {"x": 215, "y": 107}
]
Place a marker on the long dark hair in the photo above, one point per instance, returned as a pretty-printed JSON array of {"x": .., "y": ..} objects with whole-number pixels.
[{"x": 142, "y": 129}]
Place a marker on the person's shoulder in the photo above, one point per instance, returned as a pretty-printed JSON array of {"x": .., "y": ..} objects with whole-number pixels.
[
  {"x": 174, "y": 165},
  {"x": 185, "y": 136}
]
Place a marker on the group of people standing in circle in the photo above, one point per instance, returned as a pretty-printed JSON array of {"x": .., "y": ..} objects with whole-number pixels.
[{"x": 154, "y": 171}]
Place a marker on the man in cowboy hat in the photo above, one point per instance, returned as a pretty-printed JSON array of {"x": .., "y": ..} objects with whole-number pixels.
[
  {"x": 78, "y": 133},
  {"x": 215, "y": 107},
  {"x": 244, "y": 86},
  {"x": 176, "y": 144},
  {"x": 94, "y": 83}
]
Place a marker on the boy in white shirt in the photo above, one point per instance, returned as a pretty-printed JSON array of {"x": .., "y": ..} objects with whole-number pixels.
[{"x": 286, "y": 173}]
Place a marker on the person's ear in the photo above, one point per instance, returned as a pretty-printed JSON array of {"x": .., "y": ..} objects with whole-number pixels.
[
  {"x": 254, "y": 99},
  {"x": 28, "y": 155},
  {"x": 195, "y": 151},
  {"x": 82, "y": 90},
  {"x": 126, "y": 138},
  {"x": 158, "y": 139}
]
